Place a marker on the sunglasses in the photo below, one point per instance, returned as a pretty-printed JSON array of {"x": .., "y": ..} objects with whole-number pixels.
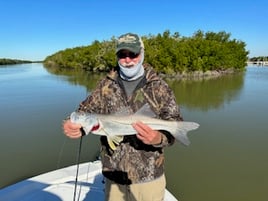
[{"x": 131, "y": 55}]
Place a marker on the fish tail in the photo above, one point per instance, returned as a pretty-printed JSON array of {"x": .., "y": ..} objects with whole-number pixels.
[{"x": 182, "y": 129}]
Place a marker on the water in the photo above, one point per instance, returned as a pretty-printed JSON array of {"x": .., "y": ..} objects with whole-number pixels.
[{"x": 225, "y": 161}]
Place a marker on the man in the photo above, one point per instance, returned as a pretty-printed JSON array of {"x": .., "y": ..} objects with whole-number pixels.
[{"x": 133, "y": 165}]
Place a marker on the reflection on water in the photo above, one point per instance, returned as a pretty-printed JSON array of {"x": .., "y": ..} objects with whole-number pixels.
[
  {"x": 225, "y": 161},
  {"x": 78, "y": 77},
  {"x": 207, "y": 94},
  {"x": 204, "y": 94}
]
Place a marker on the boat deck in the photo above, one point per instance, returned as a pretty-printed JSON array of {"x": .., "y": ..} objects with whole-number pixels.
[{"x": 59, "y": 185}]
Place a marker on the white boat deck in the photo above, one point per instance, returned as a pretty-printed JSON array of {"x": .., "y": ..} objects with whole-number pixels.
[{"x": 59, "y": 185}]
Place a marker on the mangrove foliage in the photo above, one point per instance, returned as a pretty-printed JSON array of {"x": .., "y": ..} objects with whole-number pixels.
[
  {"x": 5, "y": 61},
  {"x": 167, "y": 53}
]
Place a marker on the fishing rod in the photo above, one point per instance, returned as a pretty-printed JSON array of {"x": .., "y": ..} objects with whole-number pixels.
[
  {"x": 77, "y": 164},
  {"x": 78, "y": 161}
]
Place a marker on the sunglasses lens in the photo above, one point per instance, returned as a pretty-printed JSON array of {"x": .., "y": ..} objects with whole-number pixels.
[{"x": 131, "y": 55}]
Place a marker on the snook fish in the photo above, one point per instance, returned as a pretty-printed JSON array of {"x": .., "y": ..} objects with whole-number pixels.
[{"x": 120, "y": 125}]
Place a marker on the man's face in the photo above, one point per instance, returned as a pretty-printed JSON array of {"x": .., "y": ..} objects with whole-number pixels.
[{"x": 127, "y": 58}]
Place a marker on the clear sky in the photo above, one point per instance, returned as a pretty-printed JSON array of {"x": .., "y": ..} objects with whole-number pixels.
[{"x": 35, "y": 29}]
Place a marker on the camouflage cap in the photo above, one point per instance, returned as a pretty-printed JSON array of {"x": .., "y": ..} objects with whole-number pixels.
[{"x": 129, "y": 41}]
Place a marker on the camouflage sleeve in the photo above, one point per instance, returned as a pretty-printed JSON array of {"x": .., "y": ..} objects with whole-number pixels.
[
  {"x": 163, "y": 101},
  {"x": 169, "y": 109},
  {"x": 166, "y": 139},
  {"x": 93, "y": 103}
]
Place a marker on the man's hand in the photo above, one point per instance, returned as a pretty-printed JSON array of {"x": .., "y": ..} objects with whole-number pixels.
[
  {"x": 72, "y": 130},
  {"x": 146, "y": 134}
]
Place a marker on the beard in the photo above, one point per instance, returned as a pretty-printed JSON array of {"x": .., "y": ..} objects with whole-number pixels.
[{"x": 128, "y": 65}]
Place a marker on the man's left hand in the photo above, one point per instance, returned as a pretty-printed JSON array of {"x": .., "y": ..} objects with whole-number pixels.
[{"x": 146, "y": 134}]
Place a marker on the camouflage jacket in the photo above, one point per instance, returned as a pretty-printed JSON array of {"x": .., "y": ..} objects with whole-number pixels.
[{"x": 133, "y": 161}]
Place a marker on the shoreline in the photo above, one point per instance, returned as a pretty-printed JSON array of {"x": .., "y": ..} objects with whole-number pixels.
[{"x": 200, "y": 74}]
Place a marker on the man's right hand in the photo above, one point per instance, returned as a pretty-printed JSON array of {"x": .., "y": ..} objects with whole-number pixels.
[{"x": 72, "y": 130}]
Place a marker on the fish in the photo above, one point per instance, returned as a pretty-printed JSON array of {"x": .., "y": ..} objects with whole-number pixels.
[{"x": 114, "y": 126}]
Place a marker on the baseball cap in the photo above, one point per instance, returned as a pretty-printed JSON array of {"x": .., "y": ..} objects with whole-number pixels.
[{"x": 129, "y": 41}]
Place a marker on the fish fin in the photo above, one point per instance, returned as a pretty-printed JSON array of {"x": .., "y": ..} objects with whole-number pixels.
[
  {"x": 114, "y": 140},
  {"x": 146, "y": 111},
  {"x": 111, "y": 144},
  {"x": 123, "y": 111}
]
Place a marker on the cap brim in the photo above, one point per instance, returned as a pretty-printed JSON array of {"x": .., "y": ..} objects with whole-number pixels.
[{"x": 135, "y": 50}]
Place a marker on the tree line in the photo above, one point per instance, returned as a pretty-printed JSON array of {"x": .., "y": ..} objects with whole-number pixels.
[
  {"x": 260, "y": 58},
  {"x": 5, "y": 61},
  {"x": 167, "y": 53}
]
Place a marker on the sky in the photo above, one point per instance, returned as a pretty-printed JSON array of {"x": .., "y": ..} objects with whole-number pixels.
[{"x": 35, "y": 29}]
